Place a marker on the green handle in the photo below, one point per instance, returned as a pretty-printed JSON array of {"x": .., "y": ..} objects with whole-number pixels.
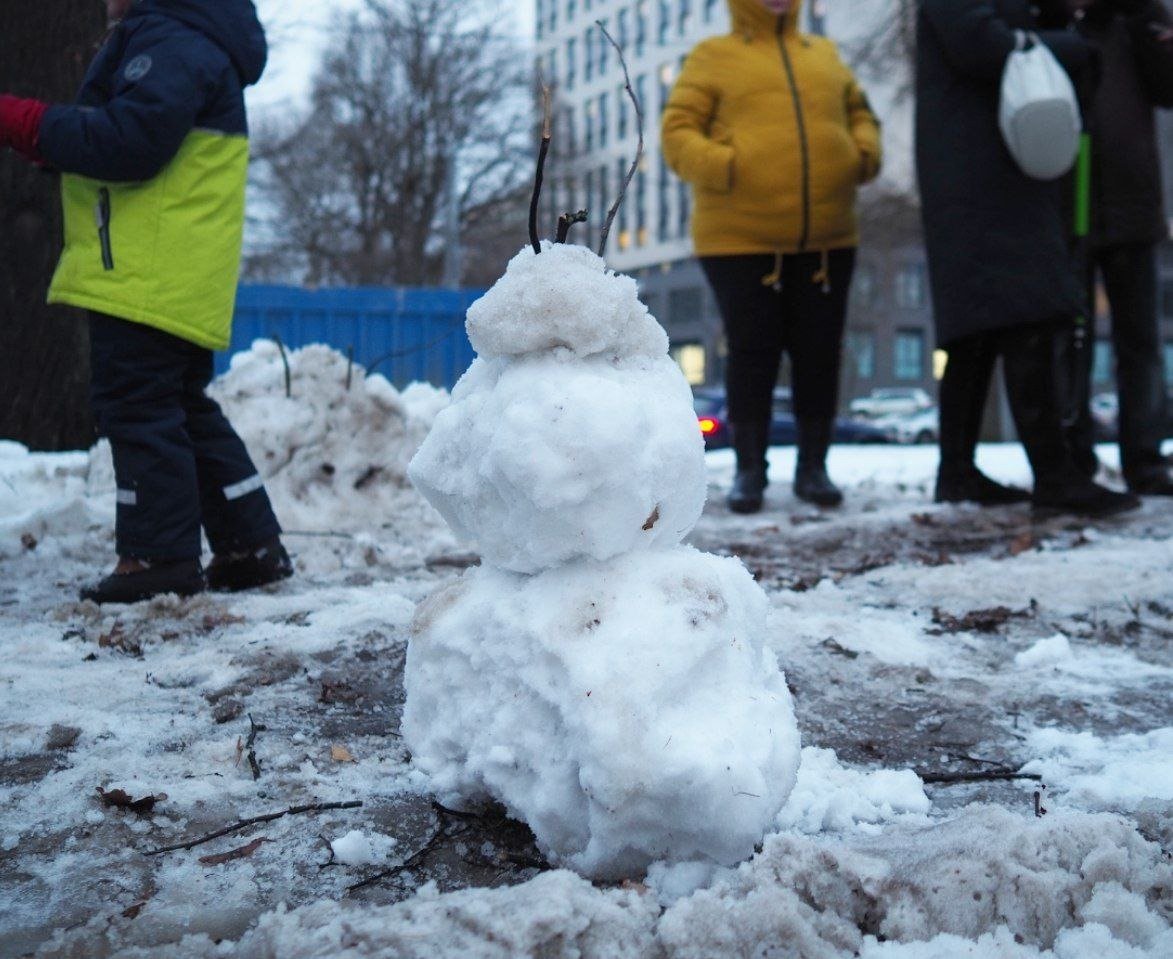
[{"x": 1083, "y": 187}]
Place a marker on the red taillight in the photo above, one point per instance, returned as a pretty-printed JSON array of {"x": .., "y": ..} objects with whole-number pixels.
[{"x": 708, "y": 425}]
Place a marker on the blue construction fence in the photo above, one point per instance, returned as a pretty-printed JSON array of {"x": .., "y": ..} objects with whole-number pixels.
[{"x": 408, "y": 335}]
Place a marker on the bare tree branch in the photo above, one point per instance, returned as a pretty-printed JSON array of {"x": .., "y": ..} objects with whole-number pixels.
[{"x": 639, "y": 150}]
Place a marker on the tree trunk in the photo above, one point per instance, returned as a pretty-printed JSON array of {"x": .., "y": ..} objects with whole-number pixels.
[{"x": 44, "y": 351}]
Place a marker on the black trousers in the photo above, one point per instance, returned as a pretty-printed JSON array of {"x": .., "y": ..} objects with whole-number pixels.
[
  {"x": 803, "y": 314},
  {"x": 1028, "y": 364},
  {"x": 178, "y": 462},
  {"x": 1130, "y": 277}
]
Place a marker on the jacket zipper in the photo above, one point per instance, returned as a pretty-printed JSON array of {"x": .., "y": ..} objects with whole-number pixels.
[
  {"x": 102, "y": 215},
  {"x": 802, "y": 142}
]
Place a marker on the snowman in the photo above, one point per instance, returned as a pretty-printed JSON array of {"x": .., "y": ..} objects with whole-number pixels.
[{"x": 608, "y": 685}]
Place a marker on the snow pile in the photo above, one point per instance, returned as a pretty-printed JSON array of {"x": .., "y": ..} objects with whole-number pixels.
[
  {"x": 1114, "y": 773},
  {"x": 832, "y": 797},
  {"x": 42, "y": 498},
  {"x": 550, "y": 459},
  {"x": 357, "y": 848},
  {"x": 564, "y": 299},
  {"x": 621, "y": 710},
  {"x": 332, "y": 457},
  {"x": 1046, "y": 652},
  {"x": 610, "y": 687}
]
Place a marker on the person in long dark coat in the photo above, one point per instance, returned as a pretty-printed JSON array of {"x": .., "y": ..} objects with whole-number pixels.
[
  {"x": 1135, "y": 43},
  {"x": 1002, "y": 275}
]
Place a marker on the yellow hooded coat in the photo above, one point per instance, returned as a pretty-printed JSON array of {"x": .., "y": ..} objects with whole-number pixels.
[{"x": 774, "y": 134}]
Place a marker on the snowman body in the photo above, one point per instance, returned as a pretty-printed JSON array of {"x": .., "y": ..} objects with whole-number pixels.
[{"x": 606, "y": 684}]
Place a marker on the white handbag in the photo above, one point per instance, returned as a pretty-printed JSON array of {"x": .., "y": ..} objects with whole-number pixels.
[{"x": 1039, "y": 113}]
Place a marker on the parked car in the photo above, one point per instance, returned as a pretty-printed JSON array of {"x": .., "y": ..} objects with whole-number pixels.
[
  {"x": 891, "y": 400},
  {"x": 921, "y": 427},
  {"x": 709, "y": 403}
]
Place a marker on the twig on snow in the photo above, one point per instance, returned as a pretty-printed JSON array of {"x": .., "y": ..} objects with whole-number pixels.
[
  {"x": 252, "y": 753},
  {"x": 639, "y": 150},
  {"x": 254, "y": 820},
  {"x": 982, "y": 775}
]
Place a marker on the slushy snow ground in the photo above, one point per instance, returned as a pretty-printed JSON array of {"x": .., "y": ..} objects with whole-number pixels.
[{"x": 920, "y": 643}]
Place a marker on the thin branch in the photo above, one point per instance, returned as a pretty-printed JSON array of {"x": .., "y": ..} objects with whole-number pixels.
[
  {"x": 252, "y": 753},
  {"x": 284, "y": 363},
  {"x": 540, "y": 172},
  {"x": 639, "y": 150},
  {"x": 254, "y": 820},
  {"x": 981, "y": 776},
  {"x": 566, "y": 221}
]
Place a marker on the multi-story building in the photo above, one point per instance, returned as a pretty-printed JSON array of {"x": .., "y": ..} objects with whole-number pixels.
[{"x": 889, "y": 340}]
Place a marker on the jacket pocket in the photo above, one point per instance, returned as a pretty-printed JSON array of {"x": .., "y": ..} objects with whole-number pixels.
[{"x": 102, "y": 215}]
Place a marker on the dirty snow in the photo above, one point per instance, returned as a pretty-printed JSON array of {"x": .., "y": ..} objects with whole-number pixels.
[{"x": 872, "y": 610}]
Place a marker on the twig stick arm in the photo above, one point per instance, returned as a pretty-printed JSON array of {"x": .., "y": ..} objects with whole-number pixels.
[
  {"x": 639, "y": 150},
  {"x": 540, "y": 173},
  {"x": 566, "y": 221}
]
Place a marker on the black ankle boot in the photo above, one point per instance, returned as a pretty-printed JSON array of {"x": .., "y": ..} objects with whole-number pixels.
[
  {"x": 973, "y": 486},
  {"x": 183, "y": 578},
  {"x": 749, "y": 443},
  {"x": 811, "y": 482},
  {"x": 267, "y": 563},
  {"x": 1080, "y": 497}
]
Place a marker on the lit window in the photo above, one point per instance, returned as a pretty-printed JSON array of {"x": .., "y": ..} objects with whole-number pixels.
[{"x": 690, "y": 357}]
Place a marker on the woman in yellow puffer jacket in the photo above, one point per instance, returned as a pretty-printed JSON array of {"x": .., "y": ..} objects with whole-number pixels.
[{"x": 774, "y": 134}]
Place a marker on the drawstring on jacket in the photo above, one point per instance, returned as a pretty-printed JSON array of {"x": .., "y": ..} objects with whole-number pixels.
[
  {"x": 822, "y": 274},
  {"x": 774, "y": 279}
]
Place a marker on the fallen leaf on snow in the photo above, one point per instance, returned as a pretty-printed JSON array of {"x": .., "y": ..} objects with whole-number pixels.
[
  {"x": 242, "y": 852},
  {"x": 340, "y": 754},
  {"x": 123, "y": 800}
]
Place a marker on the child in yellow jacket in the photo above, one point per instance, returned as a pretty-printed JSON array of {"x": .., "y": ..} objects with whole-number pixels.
[{"x": 775, "y": 135}]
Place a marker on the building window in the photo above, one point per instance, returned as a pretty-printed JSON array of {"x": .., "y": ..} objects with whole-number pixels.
[
  {"x": 690, "y": 357},
  {"x": 910, "y": 286},
  {"x": 604, "y": 48},
  {"x": 620, "y": 175},
  {"x": 641, "y": 208},
  {"x": 863, "y": 286},
  {"x": 621, "y": 20},
  {"x": 662, "y": 211},
  {"x": 909, "y": 355},
  {"x": 861, "y": 348},
  {"x": 603, "y": 124},
  {"x": 684, "y": 18},
  {"x": 588, "y": 54},
  {"x": 665, "y": 21},
  {"x": 641, "y": 88},
  {"x": 589, "y": 182},
  {"x": 571, "y": 62},
  {"x": 621, "y": 110},
  {"x": 641, "y": 27},
  {"x": 710, "y": 9},
  {"x": 1102, "y": 363},
  {"x": 589, "y": 125},
  {"x": 571, "y": 10},
  {"x": 1167, "y": 297},
  {"x": 1168, "y": 351},
  {"x": 683, "y": 211}
]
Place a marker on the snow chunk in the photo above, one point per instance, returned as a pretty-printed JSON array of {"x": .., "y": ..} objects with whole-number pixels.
[
  {"x": 627, "y": 712},
  {"x": 358, "y": 849},
  {"x": 1046, "y": 652},
  {"x": 332, "y": 457},
  {"x": 566, "y": 298},
  {"x": 1116, "y": 772},
  {"x": 831, "y": 796},
  {"x": 552, "y": 459}
]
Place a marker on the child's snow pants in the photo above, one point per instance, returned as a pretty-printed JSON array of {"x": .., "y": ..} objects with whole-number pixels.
[{"x": 178, "y": 462}]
